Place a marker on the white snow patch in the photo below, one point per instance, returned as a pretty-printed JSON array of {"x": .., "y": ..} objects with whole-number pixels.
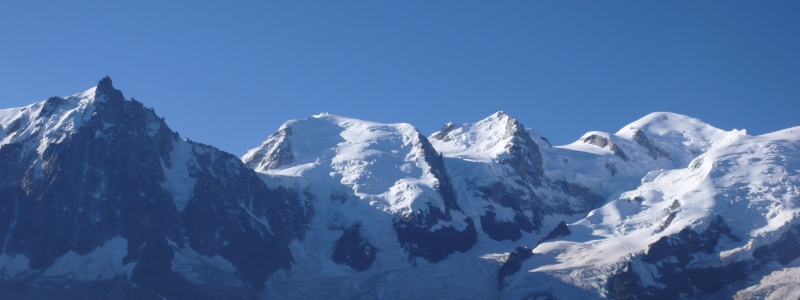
[
  {"x": 179, "y": 180},
  {"x": 65, "y": 119},
  {"x": 103, "y": 263},
  {"x": 14, "y": 264},
  {"x": 779, "y": 285},
  {"x": 198, "y": 268},
  {"x": 483, "y": 141}
]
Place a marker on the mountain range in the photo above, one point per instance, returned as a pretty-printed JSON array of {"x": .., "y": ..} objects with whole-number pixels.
[{"x": 101, "y": 199}]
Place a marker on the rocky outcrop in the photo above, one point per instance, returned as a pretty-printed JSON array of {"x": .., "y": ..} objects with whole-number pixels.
[
  {"x": 435, "y": 161},
  {"x": 655, "y": 152},
  {"x": 416, "y": 233},
  {"x": 562, "y": 201},
  {"x": 507, "y": 230},
  {"x": 525, "y": 157},
  {"x": 512, "y": 265},
  {"x": 671, "y": 217},
  {"x": 275, "y": 152},
  {"x": 679, "y": 274},
  {"x": 442, "y": 134},
  {"x": 603, "y": 142},
  {"x": 561, "y": 230},
  {"x": 351, "y": 249}
]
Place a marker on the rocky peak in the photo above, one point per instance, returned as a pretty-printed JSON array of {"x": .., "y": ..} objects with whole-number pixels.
[
  {"x": 442, "y": 134},
  {"x": 526, "y": 158},
  {"x": 106, "y": 88},
  {"x": 94, "y": 171},
  {"x": 497, "y": 138},
  {"x": 273, "y": 153},
  {"x": 436, "y": 162},
  {"x": 105, "y": 83}
]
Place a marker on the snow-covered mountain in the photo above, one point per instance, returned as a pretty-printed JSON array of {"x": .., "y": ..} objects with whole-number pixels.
[
  {"x": 721, "y": 220},
  {"x": 385, "y": 182},
  {"x": 499, "y": 174},
  {"x": 100, "y": 199},
  {"x": 99, "y": 196}
]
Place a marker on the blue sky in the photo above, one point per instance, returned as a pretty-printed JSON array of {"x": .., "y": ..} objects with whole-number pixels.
[{"x": 228, "y": 74}]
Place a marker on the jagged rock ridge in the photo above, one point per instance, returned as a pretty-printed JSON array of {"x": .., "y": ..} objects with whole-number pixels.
[{"x": 94, "y": 174}]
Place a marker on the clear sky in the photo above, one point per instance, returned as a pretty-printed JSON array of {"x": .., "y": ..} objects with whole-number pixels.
[{"x": 229, "y": 73}]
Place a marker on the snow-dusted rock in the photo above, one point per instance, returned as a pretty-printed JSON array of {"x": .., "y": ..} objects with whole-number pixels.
[{"x": 96, "y": 189}]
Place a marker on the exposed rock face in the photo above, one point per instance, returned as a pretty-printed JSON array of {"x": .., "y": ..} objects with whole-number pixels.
[
  {"x": 277, "y": 149},
  {"x": 672, "y": 256},
  {"x": 500, "y": 230},
  {"x": 351, "y": 249},
  {"x": 513, "y": 264},
  {"x": 655, "y": 152},
  {"x": 109, "y": 175},
  {"x": 415, "y": 230},
  {"x": 526, "y": 159},
  {"x": 436, "y": 162},
  {"x": 442, "y": 133},
  {"x": 560, "y": 231},
  {"x": 671, "y": 217},
  {"x": 546, "y": 141},
  {"x": 602, "y": 142},
  {"x": 416, "y": 233},
  {"x": 512, "y": 180}
]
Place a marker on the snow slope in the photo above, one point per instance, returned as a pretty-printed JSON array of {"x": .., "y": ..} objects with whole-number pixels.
[
  {"x": 660, "y": 177},
  {"x": 614, "y": 163},
  {"x": 49, "y": 121},
  {"x": 381, "y": 163},
  {"x": 779, "y": 284},
  {"x": 498, "y": 170},
  {"x": 360, "y": 174},
  {"x": 751, "y": 182}
]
